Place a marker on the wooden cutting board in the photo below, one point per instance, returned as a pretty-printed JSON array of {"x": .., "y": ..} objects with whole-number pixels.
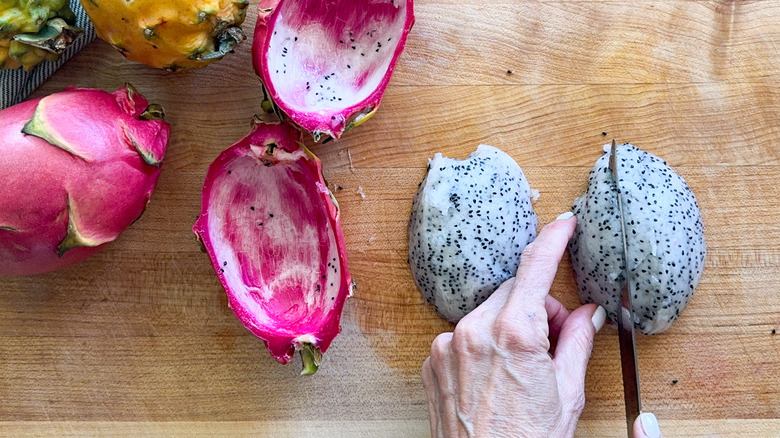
[{"x": 138, "y": 340}]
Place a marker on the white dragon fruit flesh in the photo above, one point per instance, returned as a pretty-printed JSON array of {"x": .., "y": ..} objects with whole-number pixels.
[
  {"x": 664, "y": 233},
  {"x": 470, "y": 221},
  {"x": 327, "y": 64},
  {"x": 273, "y": 233}
]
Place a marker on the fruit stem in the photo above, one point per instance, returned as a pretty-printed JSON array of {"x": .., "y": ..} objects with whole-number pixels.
[
  {"x": 311, "y": 358},
  {"x": 153, "y": 112}
]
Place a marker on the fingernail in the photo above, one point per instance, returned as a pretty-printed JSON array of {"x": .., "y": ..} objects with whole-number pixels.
[
  {"x": 650, "y": 425},
  {"x": 598, "y": 318},
  {"x": 564, "y": 216}
]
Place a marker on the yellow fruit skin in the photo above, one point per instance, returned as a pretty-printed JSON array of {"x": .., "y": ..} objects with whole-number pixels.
[{"x": 167, "y": 34}]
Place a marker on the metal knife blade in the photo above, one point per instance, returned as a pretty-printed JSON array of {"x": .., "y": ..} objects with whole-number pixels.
[{"x": 625, "y": 318}]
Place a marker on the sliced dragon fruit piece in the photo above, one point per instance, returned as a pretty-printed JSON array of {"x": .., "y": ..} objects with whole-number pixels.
[
  {"x": 272, "y": 231},
  {"x": 327, "y": 65}
]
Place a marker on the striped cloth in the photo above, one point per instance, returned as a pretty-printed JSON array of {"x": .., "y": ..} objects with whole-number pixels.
[{"x": 16, "y": 85}]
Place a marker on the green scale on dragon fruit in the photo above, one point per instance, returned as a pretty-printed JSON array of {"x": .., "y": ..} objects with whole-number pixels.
[
  {"x": 665, "y": 239},
  {"x": 327, "y": 67},
  {"x": 471, "y": 220}
]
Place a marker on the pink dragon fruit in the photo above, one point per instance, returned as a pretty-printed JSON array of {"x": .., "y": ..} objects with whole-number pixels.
[
  {"x": 272, "y": 231},
  {"x": 327, "y": 65},
  {"x": 77, "y": 168}
]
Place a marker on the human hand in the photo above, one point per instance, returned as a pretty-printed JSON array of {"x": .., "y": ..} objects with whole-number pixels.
[{"x": 515, "y": 366}]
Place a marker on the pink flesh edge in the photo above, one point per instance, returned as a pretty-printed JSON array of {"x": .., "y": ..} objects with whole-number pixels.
[
  {"x": 331, "y": 118},
  {"x": 274, "y": 265}
]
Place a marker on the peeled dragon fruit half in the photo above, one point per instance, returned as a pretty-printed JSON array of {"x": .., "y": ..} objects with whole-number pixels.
[
  {"x": 326, "y": 65},
  {"x": 664, "y": 238},
  {"x": 272, "y": 231},
  {"x": 76, "y": 168}
]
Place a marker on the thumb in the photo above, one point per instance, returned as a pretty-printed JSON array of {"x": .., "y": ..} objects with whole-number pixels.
[
  {"x": 575, "y": 342},
  {"x": 646, "y": 426}
]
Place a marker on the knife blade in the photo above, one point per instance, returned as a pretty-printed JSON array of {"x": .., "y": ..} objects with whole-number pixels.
[{"x": 625, "y": 320}]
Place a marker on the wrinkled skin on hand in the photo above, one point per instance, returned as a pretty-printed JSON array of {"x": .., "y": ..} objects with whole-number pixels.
[{"x": 515, "y": 366}]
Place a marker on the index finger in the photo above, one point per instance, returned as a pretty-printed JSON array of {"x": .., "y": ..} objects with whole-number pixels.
[{"x": 538, "y": 265}]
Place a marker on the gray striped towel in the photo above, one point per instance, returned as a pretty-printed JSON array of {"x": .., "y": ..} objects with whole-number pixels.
[{"x": 16, "y": 85}]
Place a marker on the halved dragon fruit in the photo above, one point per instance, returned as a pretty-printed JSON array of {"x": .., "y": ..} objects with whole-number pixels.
[
  {"x": 326, "y": 65},
  {"x": 272, "y": 231}
]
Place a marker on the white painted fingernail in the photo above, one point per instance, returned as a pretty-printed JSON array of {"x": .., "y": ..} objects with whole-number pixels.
[
  {"x": 598, "y": 318},
  {"x": 650, "y": 425},
  {"x": 564, "y": 216}
]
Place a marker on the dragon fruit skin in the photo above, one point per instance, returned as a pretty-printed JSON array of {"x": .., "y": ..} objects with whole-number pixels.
[
  {"x": 272, "y": 231},
  {"x": 327, "y": 66},
  {"x": 664, "y": 237},
  {"x": 77, "y": 168}
]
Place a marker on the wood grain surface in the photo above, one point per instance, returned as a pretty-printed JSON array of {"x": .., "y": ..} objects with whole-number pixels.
[{"x": 138, "y": 340}]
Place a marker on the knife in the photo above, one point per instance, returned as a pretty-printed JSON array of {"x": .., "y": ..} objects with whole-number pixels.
[{"x": 625, "y": 318}]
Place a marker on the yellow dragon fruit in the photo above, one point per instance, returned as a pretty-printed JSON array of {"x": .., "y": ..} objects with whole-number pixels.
[
  {"x": 169, "y": 34},
  {"x": 34, "y": 30}
]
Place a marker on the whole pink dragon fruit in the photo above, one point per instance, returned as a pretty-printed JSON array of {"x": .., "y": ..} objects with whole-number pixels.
[
  {"x": 272, "y": 231},
  {"x": 327, "y": 64},
  {"x": 76, "y": 168}
]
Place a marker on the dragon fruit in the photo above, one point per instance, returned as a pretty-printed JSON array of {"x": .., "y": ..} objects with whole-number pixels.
[
  {"x": 77, "y": 168},
  {"x": 169, "y": 34},
  {"x": 33, "y": 31},
  {"x": 327, "y": 65},
  {"x": 272, "y": 231},
  {"x": 471, "y": 220},
  {"x": 664, "y": 233}
]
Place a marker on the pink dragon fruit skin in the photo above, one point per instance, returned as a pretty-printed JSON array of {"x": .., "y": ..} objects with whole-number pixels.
[
  {"x": 327, "y": 65},
  {"x": 272, "y": 231},
  {"x": 77, "y": 168}
]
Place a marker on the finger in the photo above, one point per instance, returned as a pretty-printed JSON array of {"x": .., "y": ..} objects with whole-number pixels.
[
  {"x": 646, "y": 426},
  {"x": 445, "y": 368},
  {"x": 556, "y": 315},
  {"x": 575, "y": 343},
  {"x": 486, "y": 312},
  {"x": 431, "y": 386},
  {"x": 538, "y": 265}
]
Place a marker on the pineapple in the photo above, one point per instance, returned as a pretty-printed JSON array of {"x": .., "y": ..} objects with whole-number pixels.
[
  {"x": 34, "y": 30},
  {"x": 169, "y": 34}
]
